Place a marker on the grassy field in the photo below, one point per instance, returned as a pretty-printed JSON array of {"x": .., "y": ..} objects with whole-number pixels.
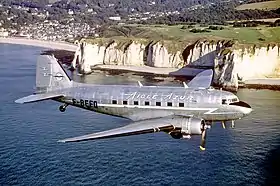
[
  {"x": 268, "y": 5},
  {"x": 178, "y": 36},
  {"x": 270, "y": 20},
  {"x": 242, "y": 35}
]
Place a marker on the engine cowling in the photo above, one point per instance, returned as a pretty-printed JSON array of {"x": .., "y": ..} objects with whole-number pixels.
[{"x": 187, "y": 126}]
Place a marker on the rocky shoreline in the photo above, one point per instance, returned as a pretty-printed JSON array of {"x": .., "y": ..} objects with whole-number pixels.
[{"x": 260, "y": 86}]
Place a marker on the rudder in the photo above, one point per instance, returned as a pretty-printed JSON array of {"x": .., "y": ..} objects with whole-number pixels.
[{"x": 50, "y": 75}]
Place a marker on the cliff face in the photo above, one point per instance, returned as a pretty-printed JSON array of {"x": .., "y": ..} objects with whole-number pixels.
[
  {"x": 154, "y": 54},
  {"x": 230, "y": 62},
  {"x": 246, "y": 63},
  {"x": 225, "y": 73},
  {"x": 257, "y": 62},
  {"x": 133, "y": 53}
]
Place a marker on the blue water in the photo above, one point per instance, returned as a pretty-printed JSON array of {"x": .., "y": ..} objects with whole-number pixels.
[{"x": 30, "y": 154}]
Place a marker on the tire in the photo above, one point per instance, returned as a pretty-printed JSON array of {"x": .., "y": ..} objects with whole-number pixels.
[{"x": 62, "y": 108}]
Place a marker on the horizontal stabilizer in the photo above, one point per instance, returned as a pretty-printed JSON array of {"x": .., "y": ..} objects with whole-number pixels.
[
  {"x": 202, "y": 80},
  {"x": 141, "y": 127},
  {"x": 37, "y": 97}
]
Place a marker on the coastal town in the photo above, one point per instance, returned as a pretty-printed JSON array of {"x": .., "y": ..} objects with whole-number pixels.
[
  {"x": 42, "y": 28},
  {"x": 50, "y": 31},
  {"x": 55, "y": 20},
  {"x": 41, "y": 24}
]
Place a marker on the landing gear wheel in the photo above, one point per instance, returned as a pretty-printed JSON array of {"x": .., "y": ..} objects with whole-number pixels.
[{"x": 62, "y": 108}]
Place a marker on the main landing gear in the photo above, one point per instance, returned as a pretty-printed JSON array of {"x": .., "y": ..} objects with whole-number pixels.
[{"x": 62, "y": 108}]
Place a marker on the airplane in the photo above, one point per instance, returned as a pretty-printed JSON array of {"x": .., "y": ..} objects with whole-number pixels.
[{"x": 178, "y": 111}]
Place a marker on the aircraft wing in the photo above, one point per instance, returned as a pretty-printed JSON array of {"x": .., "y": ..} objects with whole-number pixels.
[
  {"x": 37, "y": 97},
  {"x": 202, "y": 80},
  {"x": 140, "y": 127}
]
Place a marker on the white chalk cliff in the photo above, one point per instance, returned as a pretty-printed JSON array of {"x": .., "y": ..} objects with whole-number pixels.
[
  {"x": 230, "y": 62},
  {"x": 131, "y": 54}
]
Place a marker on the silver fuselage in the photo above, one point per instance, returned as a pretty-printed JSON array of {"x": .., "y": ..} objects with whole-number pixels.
[{"x": 146, "y": 102}]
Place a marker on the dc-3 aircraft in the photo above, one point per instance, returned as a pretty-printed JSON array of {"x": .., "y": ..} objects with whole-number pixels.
[{"x": 178, "y": 111}]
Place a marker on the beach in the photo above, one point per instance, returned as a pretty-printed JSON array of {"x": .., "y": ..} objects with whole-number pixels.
[
  {"x": 55, "y": 45},
  {"x": 137, "y": 69}
]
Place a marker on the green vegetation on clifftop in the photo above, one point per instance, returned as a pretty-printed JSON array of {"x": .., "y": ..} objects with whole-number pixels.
[
  {"x": 266, "y": 5},
  {"x": 177, "y": 36}
]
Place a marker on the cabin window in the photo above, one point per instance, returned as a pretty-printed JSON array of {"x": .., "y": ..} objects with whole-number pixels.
[
  {"x": 147, "y": 103},
  {"x": 224, "y": 101},
  {"x": 135, "y": 102},
  {"x": 181, "y": 104},
  {"x": 114, "y": 101},
  {"x": 124, "y": 102},
  {"x": 158, "y": 103},
  {"x": 169, "y": 104},
  {"x": 234, "y": 100}
]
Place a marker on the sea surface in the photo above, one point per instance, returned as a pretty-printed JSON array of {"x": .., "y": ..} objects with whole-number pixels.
[{"x": 31, "y": 155}]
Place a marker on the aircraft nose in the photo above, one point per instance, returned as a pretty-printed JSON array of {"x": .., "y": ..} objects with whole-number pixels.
[
  {"x": 246, "y": 111},
  {"x": 245, "y": 107}
]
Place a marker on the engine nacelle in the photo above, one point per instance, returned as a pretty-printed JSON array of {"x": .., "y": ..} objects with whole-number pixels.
[
  {"x": 188, "y": 126},
  {"x": 191, "y": 126}
]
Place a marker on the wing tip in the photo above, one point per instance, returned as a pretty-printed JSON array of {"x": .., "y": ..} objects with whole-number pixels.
[
  {"x": 71, "y": 140},
  {"x": 19, "y": 101},
  {"x": 62, "y": 141}
]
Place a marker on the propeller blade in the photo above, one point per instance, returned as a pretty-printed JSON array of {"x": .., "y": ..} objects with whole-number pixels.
[
  {"x": 232, "y": 124},
  {"x": 203, "y": 140},
  {"x": 223, "y": 124},
  {"x": 203, "y": 136}
]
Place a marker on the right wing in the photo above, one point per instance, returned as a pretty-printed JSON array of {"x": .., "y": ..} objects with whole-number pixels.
[
  {"x": 140, "y": 127},
  {"x": 201, "y": 80}
]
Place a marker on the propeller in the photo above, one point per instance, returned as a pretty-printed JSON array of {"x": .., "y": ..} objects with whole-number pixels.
[
  {"x": 204, "y": 127},
  {"x": 223, "y": 124},
  {"x": 232, "y": 124},
  {"x": 203, "y": 136}
]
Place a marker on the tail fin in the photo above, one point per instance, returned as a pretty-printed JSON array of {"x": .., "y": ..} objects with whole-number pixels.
[
  {"x": 50, "y": 75},
  {"x": 201, "y": 80}
]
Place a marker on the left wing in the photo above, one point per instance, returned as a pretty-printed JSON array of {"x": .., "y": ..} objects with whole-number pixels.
[{"x": 140, "y": 127}]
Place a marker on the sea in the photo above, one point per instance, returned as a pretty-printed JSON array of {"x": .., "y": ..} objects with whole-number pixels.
[{"x": 249, "y": 154}]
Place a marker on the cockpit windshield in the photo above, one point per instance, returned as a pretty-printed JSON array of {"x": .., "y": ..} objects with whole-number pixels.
[{"x": 229, "y": 100}]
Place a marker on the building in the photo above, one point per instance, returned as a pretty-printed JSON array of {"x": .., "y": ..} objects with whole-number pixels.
[
  {"x": 116, "y": 18},
  {"x": 4, "y": 34}
]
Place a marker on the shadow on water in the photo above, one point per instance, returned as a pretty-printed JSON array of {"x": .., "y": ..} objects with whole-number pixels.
[{"x": 271, "y": 166}]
